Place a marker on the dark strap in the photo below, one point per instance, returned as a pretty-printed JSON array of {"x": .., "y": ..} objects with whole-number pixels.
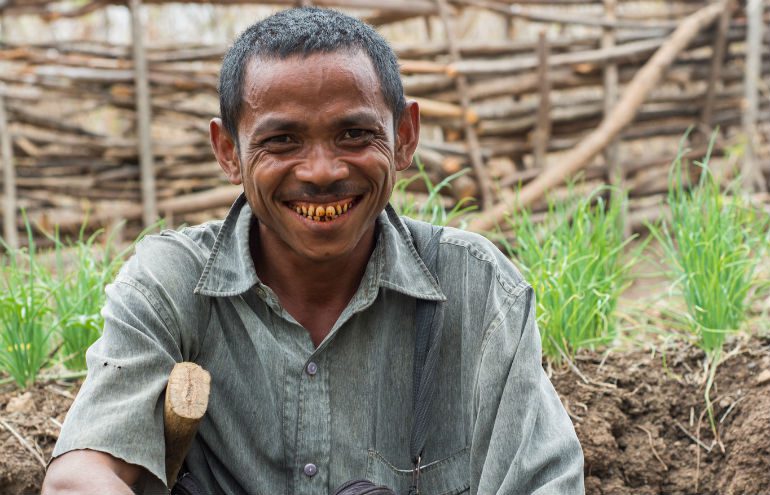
[
  {"x": 363, "y": 487},
  {"x": 186, "y": 484},
  {"x": 429, "y": 324}
]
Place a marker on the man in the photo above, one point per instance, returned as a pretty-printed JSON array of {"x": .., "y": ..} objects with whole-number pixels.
[{"x": 301, "y": 304}]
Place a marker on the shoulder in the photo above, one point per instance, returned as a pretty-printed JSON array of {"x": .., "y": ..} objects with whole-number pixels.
[
  {"x": 474, "y": 262},
  {"x": 172, "y": 259},
  {"x": 482, "y": 258},
  {"x": 155, "y": 287}
]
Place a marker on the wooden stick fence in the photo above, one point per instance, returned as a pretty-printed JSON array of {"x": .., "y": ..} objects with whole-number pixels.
[{"x": 99, "y": 132}]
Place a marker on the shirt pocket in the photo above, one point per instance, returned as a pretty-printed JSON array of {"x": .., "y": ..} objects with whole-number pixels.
[{"x": 448, "y": 476}]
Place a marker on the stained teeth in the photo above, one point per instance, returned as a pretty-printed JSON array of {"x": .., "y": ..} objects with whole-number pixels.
[{"x": 322, "y": 213}]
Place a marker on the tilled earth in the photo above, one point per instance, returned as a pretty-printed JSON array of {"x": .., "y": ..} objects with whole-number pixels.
[
  {"x": 642, "y": 423},
  {"x": 640, "y": 417}
]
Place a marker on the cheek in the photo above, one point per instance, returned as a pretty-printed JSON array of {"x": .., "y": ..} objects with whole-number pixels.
[
  {"x": 380, "y": 159},
  {"x": 264, "y": 174},
  {"x": 384, "y": 146}
]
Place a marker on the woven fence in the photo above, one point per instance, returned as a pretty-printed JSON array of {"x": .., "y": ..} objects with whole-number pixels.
[{"x": 100, "y": 133}]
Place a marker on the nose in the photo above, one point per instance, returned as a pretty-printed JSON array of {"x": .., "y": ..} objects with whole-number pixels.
[{"x": 321, "y": 167}]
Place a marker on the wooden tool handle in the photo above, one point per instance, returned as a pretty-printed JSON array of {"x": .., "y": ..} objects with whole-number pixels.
[{"x": 187, "y": 397}]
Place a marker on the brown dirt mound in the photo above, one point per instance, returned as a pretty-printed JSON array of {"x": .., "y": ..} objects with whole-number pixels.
[
  {"x": 35, "y": 417},
  {"x": 641, "y": 423},
  {"x": 644, "y": 430}
]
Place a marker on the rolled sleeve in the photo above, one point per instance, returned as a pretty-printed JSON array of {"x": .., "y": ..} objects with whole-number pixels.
[
  {"x": 119, "y": 408},
  {"x": 523, "y": 440}
]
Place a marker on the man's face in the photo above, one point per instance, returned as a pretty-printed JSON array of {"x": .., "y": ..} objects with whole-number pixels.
[{"x": 318, "y": 152}]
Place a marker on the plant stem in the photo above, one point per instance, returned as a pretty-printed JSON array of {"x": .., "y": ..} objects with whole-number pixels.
[{"x": 713, "y": 363}]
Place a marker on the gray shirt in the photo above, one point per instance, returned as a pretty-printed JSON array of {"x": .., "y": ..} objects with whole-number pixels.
[{"x": 287, "y": 417}]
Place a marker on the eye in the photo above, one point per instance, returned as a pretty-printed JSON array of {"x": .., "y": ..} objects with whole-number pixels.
[
  {"x": 279, "y": 143},
  {"x": 357, "y": 134},
  {"x": 280, "y": 139}
]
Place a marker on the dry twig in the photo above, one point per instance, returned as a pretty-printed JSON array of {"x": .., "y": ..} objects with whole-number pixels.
[
  {"x": 652, "y": 447},
  {"x": 572, "y": 365},
  {"x": 730, "y": 409},
  {"x": 692, "y": 437},
  {"x": 572, "y": 415},
  {"x": 58, "y": 391},
  {"x": 577, "y": 371},
  {"x": 24, "y": 442}
]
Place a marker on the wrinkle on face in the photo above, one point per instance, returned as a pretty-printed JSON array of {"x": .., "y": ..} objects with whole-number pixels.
[{"x": 316, "y": 131}]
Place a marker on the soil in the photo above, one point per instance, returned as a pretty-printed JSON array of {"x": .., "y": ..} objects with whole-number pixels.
[
  {"x": 36, "y": 416},
  {"x": 642, "y": 422},
  {"x": 640, "y": 416}
]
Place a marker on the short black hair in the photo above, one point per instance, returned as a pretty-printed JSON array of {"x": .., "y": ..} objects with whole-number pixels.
[{"x": 305, "y": 31}]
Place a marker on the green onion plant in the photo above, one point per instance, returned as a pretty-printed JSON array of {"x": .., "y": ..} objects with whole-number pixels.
[
  {"x": 52, "y": 313},
  {"x": 431, "y": 210},
  {"x": 713, "y": 244},
  {"x": 576, "y": 264},
  {"x": 24, "y": 308},
  {"x": 78, "y": 294}
]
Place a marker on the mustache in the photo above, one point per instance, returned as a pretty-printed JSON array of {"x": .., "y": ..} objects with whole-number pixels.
[{"x": 335, "y": 189}]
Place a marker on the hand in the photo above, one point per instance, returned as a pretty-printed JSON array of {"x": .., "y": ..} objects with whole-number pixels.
[{"x": 86, "y": 472}]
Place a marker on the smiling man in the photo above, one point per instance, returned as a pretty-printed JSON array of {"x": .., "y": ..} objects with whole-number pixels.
[
  {"x": 307, "y": 305},
  {"x": 316, "y": 150}
]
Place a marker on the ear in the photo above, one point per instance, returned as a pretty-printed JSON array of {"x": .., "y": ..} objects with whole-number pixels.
[
  {"x": 407, "y": 135},
  {"x": 225, "y": 151}
]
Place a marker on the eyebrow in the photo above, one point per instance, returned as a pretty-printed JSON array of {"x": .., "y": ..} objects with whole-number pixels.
[
  {"x": 363, "y": 117},
  {"x": 353, "y": 119},
  {"x": 270, "y": 124}
]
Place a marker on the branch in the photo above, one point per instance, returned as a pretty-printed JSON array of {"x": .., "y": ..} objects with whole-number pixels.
[{"x": 622, "y": 114}]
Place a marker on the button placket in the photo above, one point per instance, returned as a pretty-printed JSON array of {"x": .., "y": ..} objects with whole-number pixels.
[{"x": 313, "y": 441}]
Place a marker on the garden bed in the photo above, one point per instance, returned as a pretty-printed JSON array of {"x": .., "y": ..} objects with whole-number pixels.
[
  {"x": 639, "y": 418},
  {"x": 642, "y": 424}
]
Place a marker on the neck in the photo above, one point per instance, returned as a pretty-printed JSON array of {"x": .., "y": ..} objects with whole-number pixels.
[{"x": 314, "y": 293}]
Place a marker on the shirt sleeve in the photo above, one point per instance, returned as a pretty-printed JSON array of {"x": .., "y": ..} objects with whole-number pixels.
[
  {"x": 522, "y": 440},
  {"x": 119, "y": 408}
]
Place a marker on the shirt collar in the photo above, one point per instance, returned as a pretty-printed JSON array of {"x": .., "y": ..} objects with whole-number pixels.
[
  {"x": 402, "y": 268},
  {"x": 230, "y": 271},
  {"x": 395, "y": 264}
]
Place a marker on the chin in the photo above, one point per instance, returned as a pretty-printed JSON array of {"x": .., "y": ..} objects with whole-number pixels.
[{"x": 325, "y": 256}]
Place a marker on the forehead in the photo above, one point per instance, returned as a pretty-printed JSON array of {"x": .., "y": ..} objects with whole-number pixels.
[{"x": 312, "y": 80}]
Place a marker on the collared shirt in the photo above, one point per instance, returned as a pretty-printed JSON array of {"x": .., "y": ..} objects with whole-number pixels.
[{"x": 287, "y": 417}]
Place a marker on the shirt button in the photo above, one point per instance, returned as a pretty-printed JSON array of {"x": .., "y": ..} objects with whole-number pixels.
[
  {"x": 311, "y": 368},
  {"x": 310, "y": 470}
]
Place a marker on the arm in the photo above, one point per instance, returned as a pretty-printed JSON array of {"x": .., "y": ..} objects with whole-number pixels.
[
  {"x": 118, "y": 412},
  {"x": 523, "y": 441},
  {"x": 86, "y": 472}
]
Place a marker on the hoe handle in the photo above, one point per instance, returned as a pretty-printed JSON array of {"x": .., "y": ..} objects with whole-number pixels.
[{"x": 187, "y": 397}]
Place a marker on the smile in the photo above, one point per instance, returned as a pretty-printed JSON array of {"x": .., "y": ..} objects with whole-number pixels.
[{"x": 323, "y": 212}]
